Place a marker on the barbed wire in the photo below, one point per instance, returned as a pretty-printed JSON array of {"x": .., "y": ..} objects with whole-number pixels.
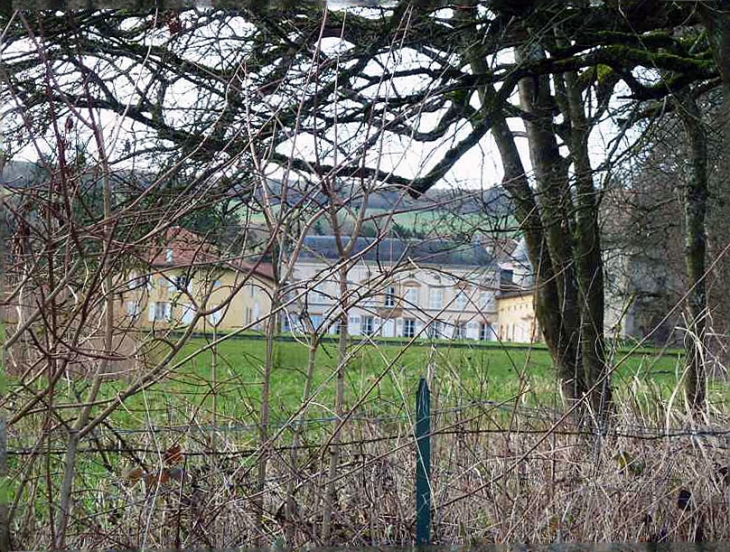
[{"x": 625, "y": 431}]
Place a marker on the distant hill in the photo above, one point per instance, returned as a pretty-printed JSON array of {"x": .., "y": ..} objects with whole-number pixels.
[
  {"x": 438, "y": 211},
  {"x": 19, "y": 173},
  {"x": 491, "y": 201}
]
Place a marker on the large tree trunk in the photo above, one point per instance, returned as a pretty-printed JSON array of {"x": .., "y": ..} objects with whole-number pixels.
[
  {"x": 589, "y": 263},
  {"x": 717, "y": 21},
  {"x": 556, "y": 207},
  {"x": 547, "y": 299},
  {"x": 694, "y": 200},
  {"x": 716, "y": 18},
  {"x": 543, "y": 223}
]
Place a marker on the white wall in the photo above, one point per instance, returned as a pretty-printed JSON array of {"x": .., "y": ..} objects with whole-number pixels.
[{"x": 316, "y": 286}]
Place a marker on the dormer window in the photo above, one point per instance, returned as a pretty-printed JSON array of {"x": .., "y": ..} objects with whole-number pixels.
[{"x": 168, "y": 255}]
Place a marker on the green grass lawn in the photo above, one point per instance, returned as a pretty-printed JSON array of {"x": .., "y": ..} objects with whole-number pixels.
[{"x": 380, "y": 380}]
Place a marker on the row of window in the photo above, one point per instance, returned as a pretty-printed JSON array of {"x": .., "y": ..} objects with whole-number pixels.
[
  {"x": 462, "y": 298},
  {"x": 402, "y": 327},
  {"x": 159, "y": 311},
  {"x": 517, "y": 332},
  {"x": 366, "y": 325},
  {"x": 411, "y": 296}
]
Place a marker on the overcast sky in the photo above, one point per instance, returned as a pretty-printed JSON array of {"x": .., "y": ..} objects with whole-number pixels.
[{"x": 479, "y": 168}]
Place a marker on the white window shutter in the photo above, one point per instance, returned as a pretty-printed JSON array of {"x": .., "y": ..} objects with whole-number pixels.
[
  {"x": 151, "y": 311},
  {"x": 188, "y": 312},
  {"x": 168, "y": 311},
  {"x": 357, "y": 326}
]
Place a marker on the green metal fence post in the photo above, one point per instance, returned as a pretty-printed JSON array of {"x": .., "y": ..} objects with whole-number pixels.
[{"x": 423, "y": 464}]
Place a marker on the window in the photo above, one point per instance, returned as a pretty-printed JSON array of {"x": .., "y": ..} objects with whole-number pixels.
[
  {"x": 132, "y": 283},
  {"x": 434, "y": 329},
  {"x": 485, "y": 332},
  {"x": 289, "y": 296},
  {"x": 411, "y": 297},
  {"x": 485, "y": 300},
  {"x": 320, "y": 294},
  {"x": 168, "y": 255},
  {"x": 181, "y": 282},
  {"x": 368, "y": 292},
  {"x": 368, "y": 325},
  {"x": 409, "y": 327},
  {"x": 188, "y": 314},
  {"x": 316, "y": 321},
  {"x": 162, "y": 311},
  {"x": 132, "y": 308},
  {"x": 461, "y": 299},
  {"x": 390, "y": 296},
  {"x": 435, "y": 298},
  {"x": 353, "y": 325},
  {"x": 251, "y": 289},
  {"x": 215, "y": 317},
  {"x": 459, "y": 330},
  {"x": 285, "y": 323}
]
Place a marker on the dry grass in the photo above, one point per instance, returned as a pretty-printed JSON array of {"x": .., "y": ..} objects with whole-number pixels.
[{"x": 499, "y": 475}]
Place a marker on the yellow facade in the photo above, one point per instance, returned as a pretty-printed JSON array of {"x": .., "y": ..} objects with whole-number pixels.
[
  {"x": 170, "y": 298},
  {"x": 516, "y": 318}
]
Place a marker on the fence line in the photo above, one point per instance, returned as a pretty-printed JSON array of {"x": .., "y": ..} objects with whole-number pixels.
[{"x": 649, "y": 434}]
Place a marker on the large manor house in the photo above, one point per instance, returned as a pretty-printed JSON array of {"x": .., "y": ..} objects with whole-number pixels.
[{"x": 394, "y": 288}]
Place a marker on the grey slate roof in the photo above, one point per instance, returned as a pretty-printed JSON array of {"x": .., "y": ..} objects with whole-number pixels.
[{"x": 391, "y": 250}]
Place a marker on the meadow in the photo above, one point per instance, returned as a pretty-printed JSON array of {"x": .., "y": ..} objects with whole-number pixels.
[
  {"x": 500, "y": 471},
  {"x": 223, "y": 385}
]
